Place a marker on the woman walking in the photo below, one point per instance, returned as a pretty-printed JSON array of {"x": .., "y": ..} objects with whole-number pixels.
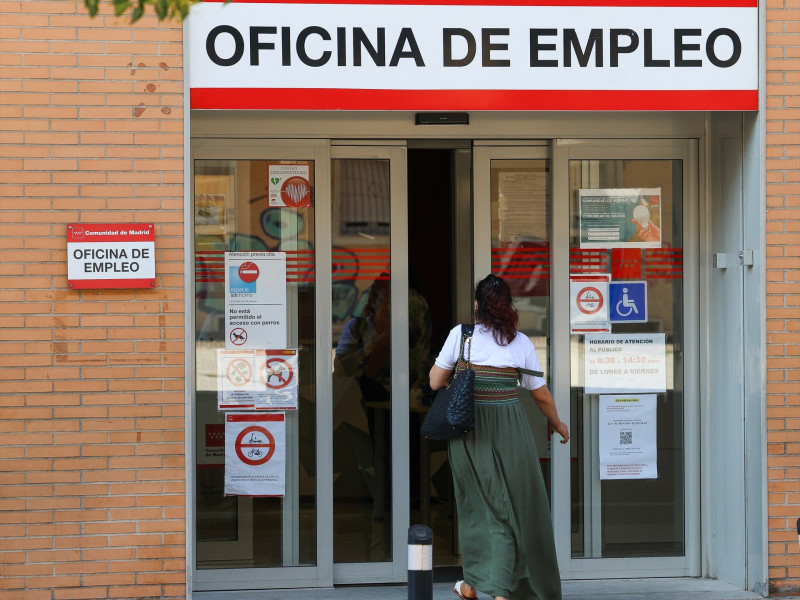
[{"x": 504, "y": 524}]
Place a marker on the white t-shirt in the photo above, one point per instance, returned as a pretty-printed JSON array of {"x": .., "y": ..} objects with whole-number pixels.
[{"x": 485, "y": 351}]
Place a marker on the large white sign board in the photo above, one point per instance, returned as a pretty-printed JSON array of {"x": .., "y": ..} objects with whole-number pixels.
[
  {"x": 255, "y": 300},
  {"x": 415, "y": 55},
  {"x": 628, "y": 437}
]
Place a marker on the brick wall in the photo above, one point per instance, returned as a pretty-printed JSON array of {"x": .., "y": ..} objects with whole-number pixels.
[
  {"x": 783, "y": 291},
  {"x": 91, "y": 400}
]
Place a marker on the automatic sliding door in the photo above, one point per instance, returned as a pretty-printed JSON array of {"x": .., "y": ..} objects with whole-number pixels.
[
  {"x": 632, "y": 376},
  {"x": 269, "y": 531},
  {"x": 370, "y": 379}
]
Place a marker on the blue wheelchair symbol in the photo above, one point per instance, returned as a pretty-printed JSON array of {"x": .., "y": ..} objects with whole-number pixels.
[{"x": 628, "y": 302}]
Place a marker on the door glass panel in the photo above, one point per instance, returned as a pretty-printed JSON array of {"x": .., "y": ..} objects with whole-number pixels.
[
  {"x": 232, "y": 213},
  {"x": 362, "y": 373},
  {"x": 521, "y": 219},
  {"x": 637, "y": 508}
]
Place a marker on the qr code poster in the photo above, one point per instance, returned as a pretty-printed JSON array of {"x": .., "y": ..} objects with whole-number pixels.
[{"x": 628, "y": 437}]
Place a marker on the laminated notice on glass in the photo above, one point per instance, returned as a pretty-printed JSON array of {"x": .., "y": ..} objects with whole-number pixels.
[
  {"x": 255, "y": 300},
  {"x": 620, "y": 218},
  {"x": 588, "y": 307},
  {"x": 628, "y": 437},
  {"x": 625, "y": 362},
  {"x": 257, "y": 379},
  {"x": 255, "y": 454}
]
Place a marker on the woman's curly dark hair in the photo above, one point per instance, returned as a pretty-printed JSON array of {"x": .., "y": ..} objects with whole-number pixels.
[{"x": 496, "y": 309}]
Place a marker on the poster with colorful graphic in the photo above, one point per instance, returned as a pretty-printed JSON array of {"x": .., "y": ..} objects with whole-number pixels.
[
  {"x": 255, "y": 300},
  {"x": 620, "y": 218},
  {"x": 289, "y": 185},
  {"x": 628, "y": 437},
  {"x": 255, "y": 454}
]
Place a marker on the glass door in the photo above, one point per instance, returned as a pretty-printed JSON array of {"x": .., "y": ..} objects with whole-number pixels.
[
  {"x": 513, "y": 225},
  {"x": 609, "y": 299},
  {"x": 261, "y": 500},
  {"x": 627, "y": 268},
  {"x": 336, "y": 217},
  {"x": 372, "y": 371}
]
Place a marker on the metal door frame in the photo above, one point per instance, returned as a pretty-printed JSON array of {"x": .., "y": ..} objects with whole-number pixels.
[
  {"x": 325, "y": 573},
  {"x": 687, "y": 151},
  {"x": 560, "y": 152},
  {"x": 397, "y": 569},
  {"x": 319, "y": 575}
]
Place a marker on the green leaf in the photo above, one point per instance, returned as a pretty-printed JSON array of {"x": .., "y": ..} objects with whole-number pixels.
[
  {"x": 137, "y": 11},
  {"x": 120, "y": 6},
  {"x": 92, "y": 5},
  {"x": 161, "y": 6}
]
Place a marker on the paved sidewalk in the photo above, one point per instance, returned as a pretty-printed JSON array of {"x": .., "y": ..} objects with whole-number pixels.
[{"x": 615, "y": 589}]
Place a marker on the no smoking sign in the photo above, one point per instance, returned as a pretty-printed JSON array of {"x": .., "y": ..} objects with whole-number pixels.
[
  {"x": 589, "y": 300},
  {"x": 588, "y": 309}
]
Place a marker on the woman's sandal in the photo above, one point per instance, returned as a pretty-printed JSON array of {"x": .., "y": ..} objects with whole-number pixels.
[{"x": 457, "y": 591}]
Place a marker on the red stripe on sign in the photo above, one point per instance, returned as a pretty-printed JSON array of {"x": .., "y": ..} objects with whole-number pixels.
[
  {"x": 110, "y": 284},
  {"x": 352, "y": 99},
  {"x": 622, "y": 3},
  {"x": 247, "y": 417}
]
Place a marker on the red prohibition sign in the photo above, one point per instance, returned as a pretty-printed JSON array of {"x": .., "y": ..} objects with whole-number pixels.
[
  {"x": 254, "y": 445},
  {"x": 238, "y": 336},
  {"x": 276, "y": 367},
  {"x": 589, "y": 300},
  {"x": 239, "y": 373},
  {"x": 248, "y": 271}
]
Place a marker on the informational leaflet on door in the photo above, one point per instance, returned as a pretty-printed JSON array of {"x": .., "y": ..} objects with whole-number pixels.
[
  {"x": 257, "y": 379},
  {"x": 255, "y": 454},
  {"x": 628, "y": 437},
  {"x": 255, "y": 302},
  {"x": 624, "y": 362},
  {"x": 522, "y": 202},
  {"x": 620, "y": 218}
]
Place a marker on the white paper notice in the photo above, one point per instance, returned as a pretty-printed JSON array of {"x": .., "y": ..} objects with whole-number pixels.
[
  {"x": 624, "y": 362},
  {"x": 255, "y": 454},
  {"x": 255, "y": 300},
  {"x": 628, "y": 437},
  {"x": 262, "y": 379}
]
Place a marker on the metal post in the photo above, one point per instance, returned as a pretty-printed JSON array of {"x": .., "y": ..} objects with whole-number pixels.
[{"x": 420, "y": 562}]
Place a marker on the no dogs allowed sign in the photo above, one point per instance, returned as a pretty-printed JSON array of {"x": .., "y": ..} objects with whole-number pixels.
[{"x": 111, "y": 255}]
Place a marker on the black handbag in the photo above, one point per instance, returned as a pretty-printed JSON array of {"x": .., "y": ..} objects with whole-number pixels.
[{"x": 453, "y": 411}]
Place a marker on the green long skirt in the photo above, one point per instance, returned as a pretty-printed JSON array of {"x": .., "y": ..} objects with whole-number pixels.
[{"x": 504, "y": 525}]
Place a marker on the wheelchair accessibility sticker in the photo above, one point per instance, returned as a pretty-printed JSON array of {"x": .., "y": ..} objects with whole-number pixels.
[{"x": 628, "y": 301}]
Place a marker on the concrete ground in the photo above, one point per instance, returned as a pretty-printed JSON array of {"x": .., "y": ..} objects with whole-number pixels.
[{"x": 614, "y": 589}]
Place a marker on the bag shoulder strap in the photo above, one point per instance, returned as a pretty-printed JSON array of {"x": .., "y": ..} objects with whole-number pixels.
[
  {"x": 529, "y": 372},
  {"x": 466, "y": 334}
]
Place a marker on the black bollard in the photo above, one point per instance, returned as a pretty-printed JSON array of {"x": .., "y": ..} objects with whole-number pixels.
[
  {"x": 798, "y": 532},
  {"x": 420, "y": 562}
]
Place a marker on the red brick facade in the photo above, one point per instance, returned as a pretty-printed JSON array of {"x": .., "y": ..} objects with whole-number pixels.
[
  {"x": 92, "y": 424},
  {"x": 783, "y": 291},
  {"x": 92, "y": 411}
]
